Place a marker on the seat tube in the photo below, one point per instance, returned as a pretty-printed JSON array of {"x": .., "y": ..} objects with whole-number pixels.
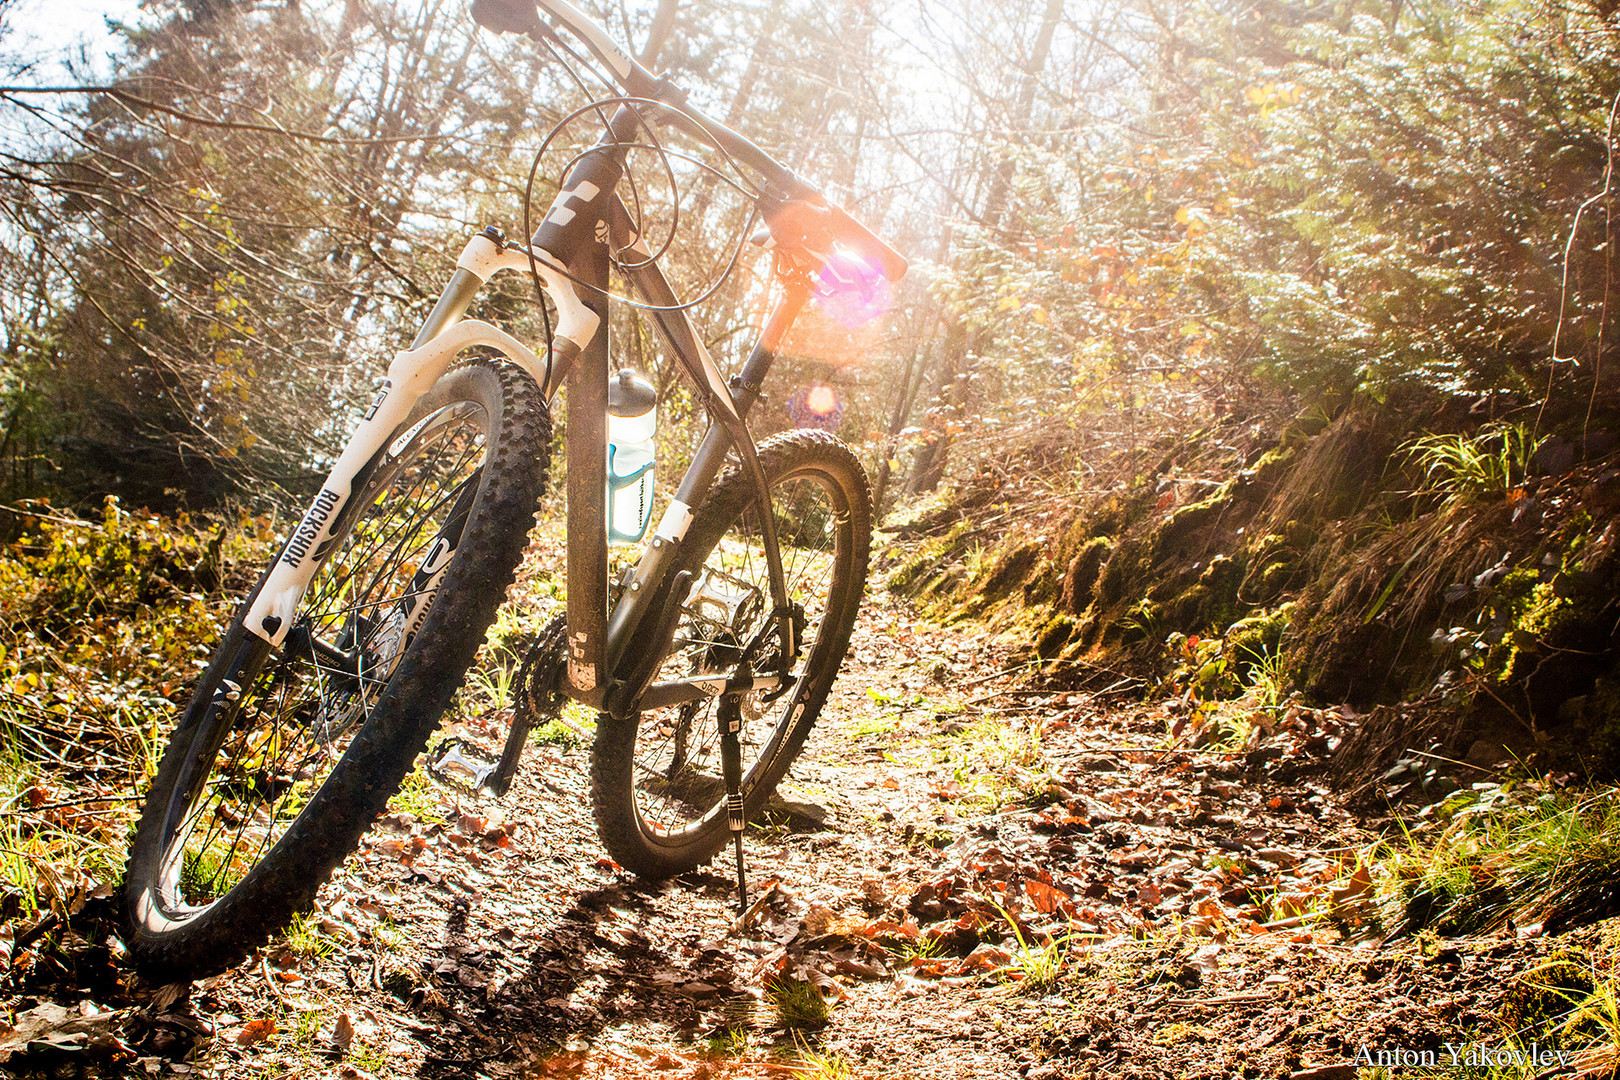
[{"x": 574, "y": 231}]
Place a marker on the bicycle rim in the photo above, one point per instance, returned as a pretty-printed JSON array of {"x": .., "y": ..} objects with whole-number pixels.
[{"x": 282, "y": 719}]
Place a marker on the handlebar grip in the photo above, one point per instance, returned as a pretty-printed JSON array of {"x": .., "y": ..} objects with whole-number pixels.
[
  {"x": 867, "y": 244},
  {"x": 506, "y": 16}
]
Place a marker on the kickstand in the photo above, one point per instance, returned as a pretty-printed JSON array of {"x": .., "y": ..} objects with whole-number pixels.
[{"x": 729, "y": 715}]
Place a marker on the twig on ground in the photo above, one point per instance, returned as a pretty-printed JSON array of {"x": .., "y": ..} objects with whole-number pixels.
[
  {"x": 83, "y": 802},
  {"x": 37, "y": 931},
  {"x": 270, "y": 981},
  {"x": 999, "y": 674},
  {"x": 1450, "y": 761}
]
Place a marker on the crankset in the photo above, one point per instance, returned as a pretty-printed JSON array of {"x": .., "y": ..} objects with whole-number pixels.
[{"x": 536, "y": 695}]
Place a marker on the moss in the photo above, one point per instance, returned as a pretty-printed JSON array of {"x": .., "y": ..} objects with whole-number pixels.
[
  {"x": 1008, "y": 570},
  {"x": 1341, "y": 659},
  {"x": 1552, "y": 617},
  {"x": 1080, "y": 578},
  {"x": 1183, "y": 523},
  {"x": 1252, "y": 640},
  {"x": 1109, "y": 519},
  {"x": 1143, "y": 621},
  {"x": 1054, "y": 636},
  {"x": 1273, "y": 465},
  {"x": 1593, "y": 722},
  {"x": 1211, "y": 601},
  {"x": 927, "y": 566},
  {"x": 915, "y": 572},
  {"x": 1127, "y": 565},
  {"x": 1274, "y": 579}
]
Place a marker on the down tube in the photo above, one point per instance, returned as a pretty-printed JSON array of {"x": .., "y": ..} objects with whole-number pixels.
[{"x": 587, "y": 493}]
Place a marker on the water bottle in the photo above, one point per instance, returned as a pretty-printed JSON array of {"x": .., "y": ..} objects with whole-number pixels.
[{"x": 632, "y": 422}]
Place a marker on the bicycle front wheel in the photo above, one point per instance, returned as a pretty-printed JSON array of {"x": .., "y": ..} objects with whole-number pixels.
[
  {"x": 286, "y": 755},
  {"x": 656, "y": 785}
]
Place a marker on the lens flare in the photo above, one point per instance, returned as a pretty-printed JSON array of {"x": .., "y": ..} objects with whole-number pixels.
[
  {"x": 851, "y": 291},
  {"x": 816, "y": 406},
  {"x": 821, "y": 400}
]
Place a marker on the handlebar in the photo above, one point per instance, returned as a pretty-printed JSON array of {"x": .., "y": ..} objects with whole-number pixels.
[{"x": 523, "y": 17}]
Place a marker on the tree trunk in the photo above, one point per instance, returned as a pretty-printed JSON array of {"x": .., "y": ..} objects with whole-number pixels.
[
  {"x": 950, "y": 387},
  {"x": 663, "y": 22}
]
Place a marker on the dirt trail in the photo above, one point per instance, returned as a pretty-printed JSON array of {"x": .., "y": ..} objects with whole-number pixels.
[{"x": 1005, "y": 883}]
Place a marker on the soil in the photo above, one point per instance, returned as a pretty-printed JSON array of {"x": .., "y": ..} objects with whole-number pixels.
[{"x": 1004, "y": 882}]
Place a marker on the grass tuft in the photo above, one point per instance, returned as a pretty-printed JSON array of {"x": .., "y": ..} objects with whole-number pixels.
[
  {"x": 799, "y": 1005},
  {"x": 1518, "y": 852}
]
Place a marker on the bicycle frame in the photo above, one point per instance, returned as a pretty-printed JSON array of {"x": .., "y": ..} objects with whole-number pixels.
[{"x": 600, "y": 671}]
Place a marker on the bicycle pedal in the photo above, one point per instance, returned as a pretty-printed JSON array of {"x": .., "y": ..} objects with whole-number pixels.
[{"x": 475, "y": 771}]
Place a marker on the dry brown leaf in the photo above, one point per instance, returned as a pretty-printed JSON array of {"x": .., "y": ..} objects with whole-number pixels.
[
  {"x": 342, "y": 1033},
  {"x": 256, "y": 1030},
  {"x": 1357, "y": 887},
  {"x": 1047, "y": 899}
]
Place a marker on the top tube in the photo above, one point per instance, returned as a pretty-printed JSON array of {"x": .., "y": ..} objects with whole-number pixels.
[{"x": 642, "y": 83}]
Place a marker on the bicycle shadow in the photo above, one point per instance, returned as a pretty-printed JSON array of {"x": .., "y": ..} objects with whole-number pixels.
[{"x": 617, "y": 957}]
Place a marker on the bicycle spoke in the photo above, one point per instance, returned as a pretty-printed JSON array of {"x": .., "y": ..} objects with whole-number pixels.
[{"x": 678, "y": 749}]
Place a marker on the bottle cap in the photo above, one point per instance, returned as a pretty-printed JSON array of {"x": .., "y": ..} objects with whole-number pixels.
[{"x": 630, "y": 394}]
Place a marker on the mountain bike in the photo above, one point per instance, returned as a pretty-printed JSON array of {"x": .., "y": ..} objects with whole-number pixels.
[{"x": 707, "y": 662}]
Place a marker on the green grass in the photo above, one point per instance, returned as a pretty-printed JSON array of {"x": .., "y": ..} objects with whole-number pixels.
[
  {"x": 919, "y": 948},
  {"x": 1037, "y": 966},
  {"x": 1522, "y": 851},
  {"x": 1489, "y": 464},
  {"x": 369, "y": 1058},
  {"x": 799, "y": 1006},
  {"x": 574, "y": 727},
  {"x": 47, "y": 855},
  {"x": 489, "y": 683},
  {"x": 728, "y": 1042},
  {"x": 420, "y": 796},
  {"x": 1569, "y": 1005},
  {"x": 872, "y": 725},
  {"x": 105, "y": 632},
  {"x": 304, "y": 938},
  {"x": 996, "y": 764},
  {"x": 811, "y": 1064},
  {"x": 1269, "y": 683}
]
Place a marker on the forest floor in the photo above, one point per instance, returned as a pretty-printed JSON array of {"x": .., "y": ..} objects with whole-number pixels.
[{"x": 1006, "y": 882}]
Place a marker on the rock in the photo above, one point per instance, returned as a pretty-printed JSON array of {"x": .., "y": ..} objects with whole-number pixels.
[{"x": 801, "y": 816}]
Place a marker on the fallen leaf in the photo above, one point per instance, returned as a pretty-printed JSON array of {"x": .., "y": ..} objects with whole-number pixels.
[
  {"x": 984, "y": 959},
  {"x": 62, "y": 1027},
  {"x": 166, "y": 996},
  {"x": 1047, "y": 899},
  {"x": 1206, "y": 960},
  {"x": 1358, "y": 886},
  {"x": 256, "y": 1030},
  {"x": 342, "y": 1033}
]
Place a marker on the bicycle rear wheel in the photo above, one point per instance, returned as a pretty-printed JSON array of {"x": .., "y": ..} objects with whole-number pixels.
[
  {"x": 286, "y": 755},
  {"x": 656, "y": 785}
]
